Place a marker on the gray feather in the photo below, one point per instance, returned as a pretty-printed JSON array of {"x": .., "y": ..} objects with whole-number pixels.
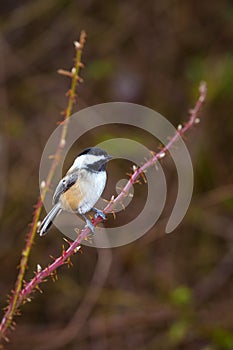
[
  {"x": 64, "y": 185},
  {"x": 48, "y": 220}
]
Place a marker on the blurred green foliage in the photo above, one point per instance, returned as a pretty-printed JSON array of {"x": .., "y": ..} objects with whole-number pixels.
[
  {"x": 99, "y": 69},
  {"x": 181, "y": 296},
  {"x": 223, "y": 338},
  {"x": 216, "y": 71},
  {"x": 178, "y": 331}
]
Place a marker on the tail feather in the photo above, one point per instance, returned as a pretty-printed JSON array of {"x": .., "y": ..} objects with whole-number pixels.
[{"x": 48, "y": 220}]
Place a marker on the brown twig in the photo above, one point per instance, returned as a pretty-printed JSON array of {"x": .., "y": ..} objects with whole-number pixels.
[{"x": 16, "y": 297}]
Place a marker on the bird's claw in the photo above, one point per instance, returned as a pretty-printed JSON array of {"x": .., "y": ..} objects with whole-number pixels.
[
  {"x": 99, "y": 212},
  {"x": 90, "y": 226}
]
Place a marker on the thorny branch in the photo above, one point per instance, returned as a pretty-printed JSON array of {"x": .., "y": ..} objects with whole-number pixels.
[
  {"x": 16, "y": 298},
  {"x": 42, "y": 274}
]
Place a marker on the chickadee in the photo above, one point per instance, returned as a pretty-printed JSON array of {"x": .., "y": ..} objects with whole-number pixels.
[{"x": 81, "y": 187}]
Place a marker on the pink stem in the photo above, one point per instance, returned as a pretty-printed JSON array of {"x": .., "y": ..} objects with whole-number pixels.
[{"x": 40, "y": 276}]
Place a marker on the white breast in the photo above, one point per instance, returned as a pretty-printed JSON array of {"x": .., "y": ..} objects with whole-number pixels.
[{"x": 92, "y": 186}]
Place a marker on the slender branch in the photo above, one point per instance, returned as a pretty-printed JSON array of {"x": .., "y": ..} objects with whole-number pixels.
[
  {"x": 156, "y": 157},
  {"x": 74, "y": 246},
  {"x": 11, "y": 310}
]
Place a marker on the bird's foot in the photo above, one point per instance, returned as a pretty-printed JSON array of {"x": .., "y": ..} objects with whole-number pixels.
[
  {"x": 89, "y": 224},
  {"x": 99, "y": 212}
]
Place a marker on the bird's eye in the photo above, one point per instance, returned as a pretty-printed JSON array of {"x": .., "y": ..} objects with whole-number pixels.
[{"x": 64, "y": 181}]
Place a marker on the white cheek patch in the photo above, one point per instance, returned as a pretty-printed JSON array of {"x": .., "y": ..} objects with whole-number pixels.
[
  {"x": 84, "y": 160},
  {"x": 78, "y": 163}
]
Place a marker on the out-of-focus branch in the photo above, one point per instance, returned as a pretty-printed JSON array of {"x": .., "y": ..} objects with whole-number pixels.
[
  {"x": 74, "y": 247},
  {"x": 16, "y": 298},
  {"x": 3, "y": 141},
  {"x": 65, "y": 335}
]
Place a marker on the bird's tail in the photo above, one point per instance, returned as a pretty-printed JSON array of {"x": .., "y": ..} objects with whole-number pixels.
[{"x": 48, "y": 220}]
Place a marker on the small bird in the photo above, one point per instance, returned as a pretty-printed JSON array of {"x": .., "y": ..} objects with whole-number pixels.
[{"x": 81, "y": 187}]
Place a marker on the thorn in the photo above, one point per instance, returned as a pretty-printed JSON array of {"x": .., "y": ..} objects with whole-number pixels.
[
  {"x": 6, "y": 338},
  {"x": 69, "y": 262},
  {"x": 54, "y": 276},
  {"x": 191, "y": 111},
  {"x": 77, "y": 249},
  {"x": 65, "y": 73},
  {"x": 38, "y": 268},
  {"x": 105, "y": 200},
  {"x": 63, "y": 250},
  {"x": 42, "y": 184},
  {"x": 179, "y": 127},
  {"x": 89, "y": 238},
  {"x": 74, "y": 97},
  {"x": 202, "y": 89},
  {"x": 161, "y": 155},
  {"x": 80, "y": 79},
  {"x": 129, "y": 174},
  {"x": 137, "y": 182},
  {"x": 39, "y": 289},
  {"x": 24, "y": 283},
  {"x": 143, "y": 177},
  {"x": 114, "y": 215},
  {"x": 77, "y": 230},
  {"x": 64, "y": 112},
  {"x": 62, "y": 122},
  {"x": 197, "y": 120},
  {"x": 66, "y": 240},
  {"x": 77, "y": 45},
  {"x": 122, "y": 206},
  {"x": 68, "y": 93},
  {"x": 152, "y": 153}
]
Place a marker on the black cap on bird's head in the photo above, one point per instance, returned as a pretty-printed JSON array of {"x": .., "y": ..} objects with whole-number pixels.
[{"x": 95, "y": 151}]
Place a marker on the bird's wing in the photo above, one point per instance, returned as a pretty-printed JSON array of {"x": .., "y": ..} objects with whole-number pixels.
[{"x": 64, "y": 185}]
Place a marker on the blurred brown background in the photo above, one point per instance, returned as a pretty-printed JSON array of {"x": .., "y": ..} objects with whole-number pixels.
[{"x": 174, "y": 292}]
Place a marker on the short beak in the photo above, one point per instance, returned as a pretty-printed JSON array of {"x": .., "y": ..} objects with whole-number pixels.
[{"x": 108, "y": 158}]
